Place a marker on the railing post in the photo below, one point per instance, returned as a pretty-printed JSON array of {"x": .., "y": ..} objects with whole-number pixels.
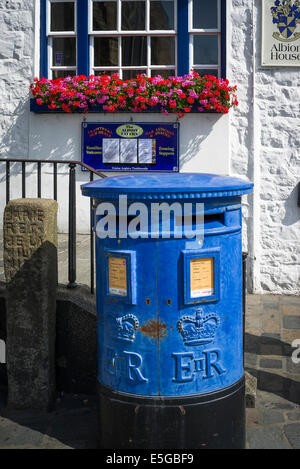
[
  {"x": 7, "y": 181},
  {"x": 39, "y": 181},
  {"x": 72, "y": 226},
  {"x": 91, "y": 240},
  {"x": 23, "y": 180},
  {"x": 55, "y": 181}
]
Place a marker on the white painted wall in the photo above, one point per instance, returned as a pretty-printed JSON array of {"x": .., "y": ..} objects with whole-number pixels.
[
  {"x": 55, "y": 136},
  {"x": 259, "y": 140},
  {"x": 265, "y": 146}
]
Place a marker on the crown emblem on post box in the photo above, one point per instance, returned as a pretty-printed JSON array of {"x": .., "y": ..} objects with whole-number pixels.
[
  {"x": 199, "y": 329},
  {"x": 124, "y": 328}
]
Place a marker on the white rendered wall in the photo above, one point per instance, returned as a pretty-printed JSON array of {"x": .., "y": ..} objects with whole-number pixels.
[
  {"x": 259, "y": 140},
  {"x": 55, "y": 136},
  {"x": 265, "y": 146}
]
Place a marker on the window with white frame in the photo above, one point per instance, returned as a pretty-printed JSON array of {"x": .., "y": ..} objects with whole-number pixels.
[
  {"x": 165, "y": 37},
  {"x": 61, "y": 32},
  {"x": 133, "y": 36},
  {"x": 205, "y": 36}
]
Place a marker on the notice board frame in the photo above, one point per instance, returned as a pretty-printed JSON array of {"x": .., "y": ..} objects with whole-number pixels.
[{"x": 166, "y": 157}]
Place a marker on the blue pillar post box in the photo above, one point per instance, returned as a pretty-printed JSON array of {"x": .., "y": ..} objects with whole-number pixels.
[{"x": 169, "y": 302}]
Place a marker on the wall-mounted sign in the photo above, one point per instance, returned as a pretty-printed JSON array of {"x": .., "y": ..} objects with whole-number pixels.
[
  {"x": 280, "y": 45},
  {"x": 130, "y": 147}
]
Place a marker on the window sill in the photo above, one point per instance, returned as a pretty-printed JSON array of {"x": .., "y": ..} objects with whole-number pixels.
[{"x": 43, "y": 109}]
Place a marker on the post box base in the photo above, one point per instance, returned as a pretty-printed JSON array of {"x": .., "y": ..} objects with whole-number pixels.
[{"x": 215, "y": 420}]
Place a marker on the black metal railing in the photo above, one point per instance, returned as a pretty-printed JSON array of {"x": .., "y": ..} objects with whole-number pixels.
[{"x": 72, "y": 204}]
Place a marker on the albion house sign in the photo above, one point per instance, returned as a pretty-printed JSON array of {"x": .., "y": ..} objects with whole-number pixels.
[{"x": 280, "y": 33}]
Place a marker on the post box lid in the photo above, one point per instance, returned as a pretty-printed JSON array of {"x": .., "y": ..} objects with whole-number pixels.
[{"x": 166, "y": 186}]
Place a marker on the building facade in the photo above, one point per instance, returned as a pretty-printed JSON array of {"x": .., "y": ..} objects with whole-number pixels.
[{"x": 258, "y": 140}]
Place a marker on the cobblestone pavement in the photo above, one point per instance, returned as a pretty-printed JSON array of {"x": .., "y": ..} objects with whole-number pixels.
[{"x": 272, "y": 323}]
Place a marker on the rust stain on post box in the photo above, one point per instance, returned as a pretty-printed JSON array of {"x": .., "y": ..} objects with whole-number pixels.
[{"x": 154, "y": 329}]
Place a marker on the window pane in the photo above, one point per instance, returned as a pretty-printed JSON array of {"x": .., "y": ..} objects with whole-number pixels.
[
  {"x": 162, "y": 15},
  {"x": 62, "y": 16},
  {"x": 207, "y": 71},
  {"x": 206, "y": 50},
  {"x": 133, "y": 16},
  {"x": 106, "y": 72},
  {"x": 205, "y": 14},
  {"x": 64, "y": 51},
  {"x": 134, "y": 50},
  {"x": 127, "y": 74},
  {"x": 104, "y": 16},
  {"x": 62, "y": 73},
  {"x": 105, "y": 51},
  {"x": 163, "y": 73},
  {"x": 162, "y": 50}
]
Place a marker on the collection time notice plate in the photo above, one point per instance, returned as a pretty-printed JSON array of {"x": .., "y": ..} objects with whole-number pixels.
[
  {"x": 120, "y": 275},
  {"x": 202, "y": 277},
  {"x": 201, "y": 273},
  {"x": 117, "y": 276}
]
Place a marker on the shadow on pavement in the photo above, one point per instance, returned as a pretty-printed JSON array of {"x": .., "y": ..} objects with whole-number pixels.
[
  {"x": 269, "y": 381},
  {"x": 72, "y": 424}
]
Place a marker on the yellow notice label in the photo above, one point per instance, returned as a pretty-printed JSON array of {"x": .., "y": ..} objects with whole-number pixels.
[
  {"x": 202, "y": 277},
  {"x": 117, "y": 279}
]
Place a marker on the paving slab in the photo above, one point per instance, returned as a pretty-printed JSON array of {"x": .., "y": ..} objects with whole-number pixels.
[
  {"x": 292, "y": 433},
  {"x": 267, "y": 438}
]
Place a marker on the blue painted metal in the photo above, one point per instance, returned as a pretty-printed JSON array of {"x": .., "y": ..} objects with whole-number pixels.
[
  {"x": 166, "y": 343},
  {"x": 43, "y": 41},
  {"x": 166, "y": 186}
]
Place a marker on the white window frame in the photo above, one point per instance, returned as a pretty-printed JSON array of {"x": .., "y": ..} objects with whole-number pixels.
[
  {"x": 204, "y": 32},
  {"x": 148, "y": 68}
]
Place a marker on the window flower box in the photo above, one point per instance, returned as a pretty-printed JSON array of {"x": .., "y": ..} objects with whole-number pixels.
[{"x": 105, "y": 93}]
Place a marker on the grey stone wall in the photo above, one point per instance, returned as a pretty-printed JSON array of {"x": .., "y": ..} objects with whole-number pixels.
[{"x": 75, "y": 344}]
